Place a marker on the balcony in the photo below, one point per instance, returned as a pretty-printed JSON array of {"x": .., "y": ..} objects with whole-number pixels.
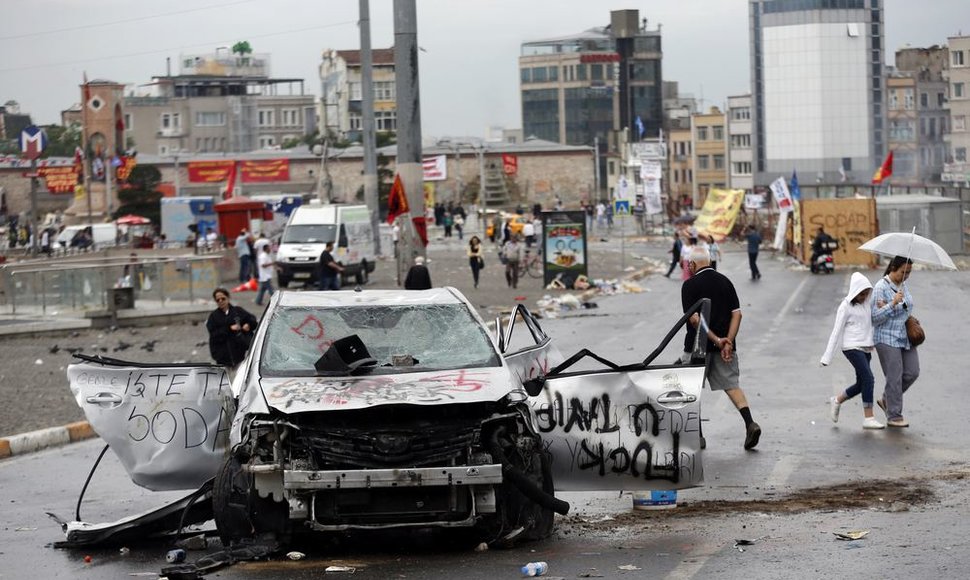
[{"x": 171, "y": 132}]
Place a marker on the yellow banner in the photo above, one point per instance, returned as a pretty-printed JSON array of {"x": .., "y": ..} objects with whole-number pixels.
[{"x": 720, "y": 211}]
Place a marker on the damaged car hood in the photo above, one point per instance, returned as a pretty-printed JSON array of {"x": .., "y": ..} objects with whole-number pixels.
[{"x": 294, "y": 395}]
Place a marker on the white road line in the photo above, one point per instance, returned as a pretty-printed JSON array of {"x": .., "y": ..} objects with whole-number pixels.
[
  {"x": 782, "y": 471},
  {"x": 788, "y": 304},
  {"x": 694, "y": 562}
]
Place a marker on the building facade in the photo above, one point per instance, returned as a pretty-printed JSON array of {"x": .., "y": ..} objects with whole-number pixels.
[
  {"x": 957, "y": 76},
  {"x": 341, "y": 105},
  {"x": 709, "y": 136},
  {"x": 680, "y": 163},
  {"x": 578, "y": 88},
  {"x": 740, "y": 154},
  {"x": 219, "y": 104},
  {"x": 817, "y": 87},
  {"x": 915, "y": 115}
]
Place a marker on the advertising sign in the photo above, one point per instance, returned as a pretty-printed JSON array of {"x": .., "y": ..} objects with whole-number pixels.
[
  {"x": 510, "y": 164},
  {"x": 33, "y": 141},
  {"x": 59, "y": 179},
  {"x": 564, "y": 252},
  {"x": 435, "y": 168},
  {"x": 719, "y": 212},
  {"x": 265, "y": 170},
  {"x": 782, "y": 195}
]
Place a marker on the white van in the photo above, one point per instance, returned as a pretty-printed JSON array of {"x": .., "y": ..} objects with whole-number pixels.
[
  {"x": 309, "y": 229},
  {"x": 105, "y": 235}
]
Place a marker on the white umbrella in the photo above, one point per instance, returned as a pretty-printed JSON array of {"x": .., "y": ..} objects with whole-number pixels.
[{"x": 915, "y": 247}]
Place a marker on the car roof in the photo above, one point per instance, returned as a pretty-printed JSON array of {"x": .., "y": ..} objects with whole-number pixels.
[{"x": 329, "y": 299}]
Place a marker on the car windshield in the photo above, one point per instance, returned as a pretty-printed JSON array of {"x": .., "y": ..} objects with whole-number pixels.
[
  {"x": 406, "y": 338},
  {"x": 310, "y": 234}
]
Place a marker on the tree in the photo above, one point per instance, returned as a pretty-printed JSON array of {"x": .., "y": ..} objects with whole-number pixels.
[
  {"x": 140, "y": 195},
  {"x": 62, "y": 141},
  {"x": 242, "y": 48}
]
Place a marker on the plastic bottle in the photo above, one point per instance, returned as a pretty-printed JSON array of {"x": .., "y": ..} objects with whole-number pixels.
[{"x": 535, "y": 569}]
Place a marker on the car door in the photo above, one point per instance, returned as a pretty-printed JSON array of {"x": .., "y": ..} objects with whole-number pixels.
[
  {"x": 632, "y": 427},
  {"x": 168, "y": 424},
  {"x": 528, "y": 351}
]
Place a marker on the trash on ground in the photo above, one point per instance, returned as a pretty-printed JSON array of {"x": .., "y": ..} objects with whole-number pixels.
[
  {"x": 483, "y": 547},
  {"x": 295, "y": 555},
  {"x": 591, "y": 573},
  {"x": 340, "y": 569},
  {"x": 535, "y": 569},
  {"x": 197, "y": 542},
  {"x": 745, "y": 542},
  {"x": 630, "y": 567},
  {"x": 175, "y": 556},
  {"x": 124, "y": 551},
  {"x": 851, "y": 535}
]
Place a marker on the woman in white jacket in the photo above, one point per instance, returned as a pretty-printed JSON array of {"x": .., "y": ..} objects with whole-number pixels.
[{"x": 853, "y": 332}]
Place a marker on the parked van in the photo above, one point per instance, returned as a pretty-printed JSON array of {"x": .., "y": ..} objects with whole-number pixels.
[
  {"x": 104, "y": 235},
  {"x": 309, "y": 229}
]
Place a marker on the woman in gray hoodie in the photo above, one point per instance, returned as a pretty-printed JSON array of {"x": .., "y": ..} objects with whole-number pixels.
[{"x": 853, "y": 333}]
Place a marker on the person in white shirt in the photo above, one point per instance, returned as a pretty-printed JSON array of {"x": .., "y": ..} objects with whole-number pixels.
[
  {"x": 853, "y": 333},
  {"x": 529, "y": 231},
  {"x": 266, "y": 265}
]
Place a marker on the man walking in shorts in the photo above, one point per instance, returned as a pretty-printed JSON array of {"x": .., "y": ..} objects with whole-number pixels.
[{"x": 723, "y": 372}]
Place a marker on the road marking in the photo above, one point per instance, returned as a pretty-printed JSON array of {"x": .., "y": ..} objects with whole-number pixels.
[
  {"x": 782, "y": 471},
  {"x": 788, "y": 304},
  {"x": 693, "y": 563}
]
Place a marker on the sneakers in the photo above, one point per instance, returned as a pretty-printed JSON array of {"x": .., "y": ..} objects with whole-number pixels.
[
  {"x": 752, "y": 436},
  {"x": 834, "y": 407},
  {"x": 898, "y": 422},
  {"x": 872, "y": 423}
]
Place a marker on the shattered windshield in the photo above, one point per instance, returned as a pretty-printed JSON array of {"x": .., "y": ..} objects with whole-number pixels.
[
  {"x": 310, "y": 234},
  {"x": 406, "y": 338}
]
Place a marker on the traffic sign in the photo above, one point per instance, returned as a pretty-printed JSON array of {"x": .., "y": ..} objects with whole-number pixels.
[
  {"x": 33, "y": 141},
  {"x": 621, "y": 207}
]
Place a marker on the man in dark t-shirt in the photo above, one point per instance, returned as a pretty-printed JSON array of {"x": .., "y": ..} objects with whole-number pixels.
[
  {"x": 723, "y": 372},
  {"x": 329, "y": 270}
]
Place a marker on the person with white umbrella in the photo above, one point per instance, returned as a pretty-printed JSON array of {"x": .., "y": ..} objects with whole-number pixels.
[{"x": 892, "y": 305}]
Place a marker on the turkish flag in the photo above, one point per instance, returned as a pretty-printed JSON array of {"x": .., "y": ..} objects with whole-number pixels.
[
  {"x": 397, "y": 201},
  {"x": 231, "y": 184},
  {"x": 885, "y": 171}
]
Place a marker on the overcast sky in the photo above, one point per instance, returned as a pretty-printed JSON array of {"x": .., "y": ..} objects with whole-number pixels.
[{"x": 469, "y": 74}]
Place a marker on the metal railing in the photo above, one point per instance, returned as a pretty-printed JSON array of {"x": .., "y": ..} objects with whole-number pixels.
[{"x": 83, "y": 286}]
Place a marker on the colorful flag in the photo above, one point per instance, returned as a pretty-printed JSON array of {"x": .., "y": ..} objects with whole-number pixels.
[
  {"x": 640, "y": 128},
  {"x": 397, "y": 201},
  {"x": 885, "y": 171},
  {"x": 796, "y": 193},
  {"x": 231, "y": 183}
]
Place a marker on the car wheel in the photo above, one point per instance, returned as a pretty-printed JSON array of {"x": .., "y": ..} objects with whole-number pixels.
[
  {"x": 362, "y": 276},
  {"x": 239, "y": 512}
]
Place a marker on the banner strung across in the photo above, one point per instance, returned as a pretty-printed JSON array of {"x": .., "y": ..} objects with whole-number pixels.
[
  {"x": 719, "y": 212},
  {"x": 265, "y": 170},
  {"x": 565, "y": 246},
  {"x": 209, "y": 171}
]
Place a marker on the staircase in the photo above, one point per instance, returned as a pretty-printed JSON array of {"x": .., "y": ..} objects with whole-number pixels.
[{"x": 494, "y": 191}]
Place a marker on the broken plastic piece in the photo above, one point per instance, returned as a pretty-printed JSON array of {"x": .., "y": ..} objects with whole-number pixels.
[
  {"x": 295, "y": 555},
  {"x": 340, "y": 569},
  {"x": 851, "y": 535}
]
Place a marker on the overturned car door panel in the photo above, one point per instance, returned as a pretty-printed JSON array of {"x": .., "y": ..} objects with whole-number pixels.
[
  {"x": 169, "y": 425},
  {"x": 623, "y": 430},
  {"x": 528, "y": 354}
]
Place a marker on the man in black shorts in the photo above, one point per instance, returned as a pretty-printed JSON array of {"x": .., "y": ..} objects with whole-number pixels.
[{"x": 723, "y": 373}]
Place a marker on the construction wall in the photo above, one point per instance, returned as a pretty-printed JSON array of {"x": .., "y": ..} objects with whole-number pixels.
[{"x": 850, "y": 221}]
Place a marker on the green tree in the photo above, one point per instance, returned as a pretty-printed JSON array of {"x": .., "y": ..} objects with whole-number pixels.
[
  {"x": 140, "y": 195},
  {"x": 62, "y": 141},
  {"x": 242, "y": 48}
]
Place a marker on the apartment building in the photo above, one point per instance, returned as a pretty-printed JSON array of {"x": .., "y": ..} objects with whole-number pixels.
[
  {"x": 340, "y": 108},
  {"x": 740, "y": 154},
  {"x": 957, "y": 76},
  {"x": 709, "y": 136}
]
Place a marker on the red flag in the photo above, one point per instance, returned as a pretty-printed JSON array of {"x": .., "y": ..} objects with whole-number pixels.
[
  {"x": 397, "y": 201},
  {"x": 885, "y": 171},
  {"x": 421, "y": 226},
  {"x": 231, "y": 183}
]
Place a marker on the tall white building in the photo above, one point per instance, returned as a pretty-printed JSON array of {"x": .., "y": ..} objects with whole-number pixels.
[
  {"x": 817, "y": 87},
  {"x": 740, "y": 153}
]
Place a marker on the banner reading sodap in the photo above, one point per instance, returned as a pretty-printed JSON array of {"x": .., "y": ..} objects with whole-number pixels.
[
  {"x": 720, "y": 211},
  {"x": 565, "y": 246}
]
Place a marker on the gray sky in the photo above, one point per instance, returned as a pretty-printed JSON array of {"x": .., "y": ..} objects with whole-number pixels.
[{"x": 469, "y": 73}]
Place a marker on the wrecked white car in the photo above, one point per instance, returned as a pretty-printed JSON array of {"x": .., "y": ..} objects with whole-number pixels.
[{"x": 388, "y": 409}]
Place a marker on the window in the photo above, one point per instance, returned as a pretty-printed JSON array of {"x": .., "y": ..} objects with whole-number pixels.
[
  {"x": 525, "y": 75},
  {"x": 554, "y": 73},
  {"x": 718, "y": 162},
  {"x": 741, "y": 114},
  {"x": 940, "y": 99},
  {"x": 703, "y": 162},
  {"x": 741, "y": 141},
  {"x": 956, "y": 57},
  {"x": 742, "y": 168},
  {"x": 171, "y": 121},
  {"x": 128, "y": 121},
  {"x": 702, "y": 133},
  {"x": 960, "y": 154},
  {"x": 924, "y": 100},
  {"x": 266, "y": 141},
  {"x": 893, "y": 100},
  {"x": 718, "y": 133},
  {"x": 596, "y": 72},
  {"x": 163, "y": 150},
  {"x": 265, "y": 118},
  {"x": 384, "y": 91},
  {"x": 290, "y": 118},
  {"x": 385, "y": 120},
  {"x": 210, "y": 119},
  {"x": 957, "y": 90},
  {"x": 355, "y": 92},
  {"x": 959, "y": 123},
  {"x": 581, "y": 72},
  {"x": 539, "y": 74},
  {"x": 354, "y": 120},
  {"x": 909, "y": 99}
]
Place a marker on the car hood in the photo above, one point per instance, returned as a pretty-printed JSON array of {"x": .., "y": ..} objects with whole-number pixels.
[{"x": 302, "y": 394}]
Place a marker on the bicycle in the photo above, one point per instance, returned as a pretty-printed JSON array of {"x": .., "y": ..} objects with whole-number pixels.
[{"x": 531, "y": 264}]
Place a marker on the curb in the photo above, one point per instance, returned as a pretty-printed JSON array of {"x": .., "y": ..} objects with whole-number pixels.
[{"x": 43, "y": 438}]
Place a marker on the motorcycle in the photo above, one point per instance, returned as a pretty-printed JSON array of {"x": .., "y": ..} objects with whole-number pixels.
[{"x": 824, "y": 262}]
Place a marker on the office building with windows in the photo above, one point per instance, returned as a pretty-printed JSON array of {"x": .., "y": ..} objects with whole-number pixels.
[
  {"x": 957, "y": 76},
  {"x": 915, "y": 115},
  {"x": 740, "y": 156},
  {"x": 817, "y": 88},
  {"x": 580, "y": 87},
  {"x": 219, "y": 103},
  {"x": 341, "y": 105}
]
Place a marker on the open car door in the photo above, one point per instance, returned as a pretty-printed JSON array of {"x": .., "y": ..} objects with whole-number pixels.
[
  {"x": 632, "y": 427},
  {"x": 527, "y": 349},
  {"x": 168, "y": 424}
]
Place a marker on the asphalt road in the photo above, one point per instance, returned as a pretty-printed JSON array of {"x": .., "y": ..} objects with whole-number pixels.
[{"x": 807, "y": 479}]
